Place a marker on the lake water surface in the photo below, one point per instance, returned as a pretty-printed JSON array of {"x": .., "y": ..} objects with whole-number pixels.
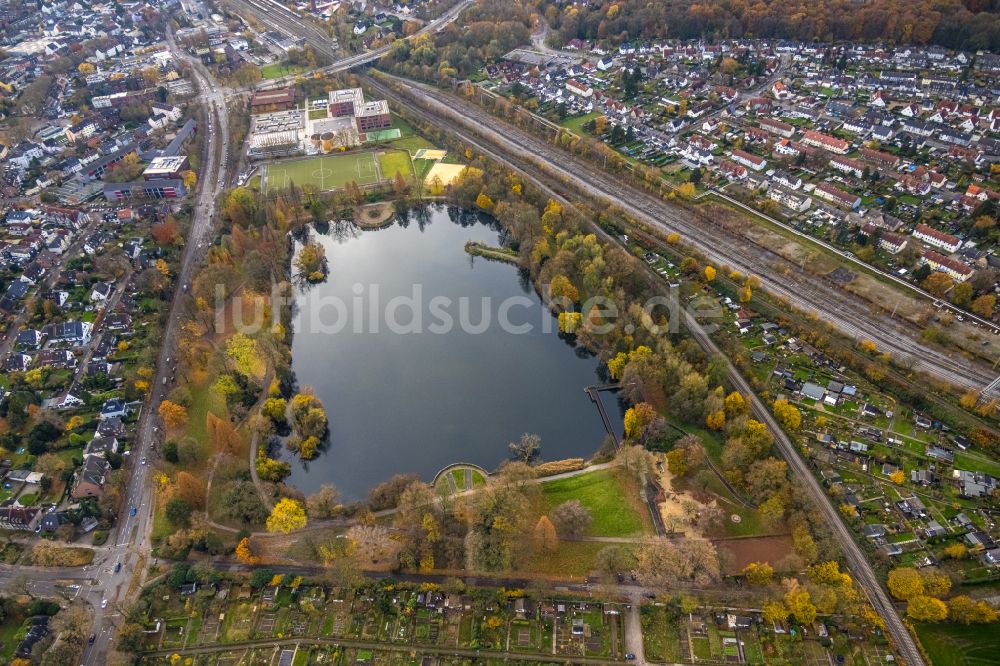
[{"x": 415, "y": 402}]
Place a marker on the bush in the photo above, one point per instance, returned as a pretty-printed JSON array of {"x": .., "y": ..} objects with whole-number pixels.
[
  {"x": 100, "y": 537},
  {"x": 43, "y": 607},
  {"x": 559, "y": 466}
]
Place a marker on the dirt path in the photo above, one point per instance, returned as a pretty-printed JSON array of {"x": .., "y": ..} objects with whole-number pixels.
[{"x": 678, "y": 508}]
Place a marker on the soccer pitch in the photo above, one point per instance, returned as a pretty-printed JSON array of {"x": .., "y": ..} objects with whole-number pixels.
[{"x": 328, "y": 172}]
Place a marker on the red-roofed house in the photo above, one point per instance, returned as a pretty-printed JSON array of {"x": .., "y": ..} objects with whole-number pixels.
[
  {"x": 826, "y": 142},
  {"x": 748, "y": 160},
  {"x": 955, "y": 269},
  {"x": 938, "y": 239}
]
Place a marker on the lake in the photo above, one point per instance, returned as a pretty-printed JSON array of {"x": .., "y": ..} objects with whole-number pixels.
[{"x": 406, "y": 393}]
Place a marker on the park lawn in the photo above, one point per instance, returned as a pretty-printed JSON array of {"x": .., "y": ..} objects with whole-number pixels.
[
  {"x": 606, "y": 493},
  {"x": 959, "y": 645},
  {"x": 327, "y": 172},
  {"x": 392, "y": 162},
  {"x": 412, "y": 144},
  {"x": 278, "y": 69},
  {"x": 570, "y": 558},
  {"x": 575, "y": 124},
  {"x": 203, "y": 400},
  {"x": 316, "y": 114},
  {"x": 161, "y": 526},
  {"x": 422, "y": 168}
]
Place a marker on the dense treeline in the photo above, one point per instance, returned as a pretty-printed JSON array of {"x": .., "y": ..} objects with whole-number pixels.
[
  {"x": 486, "y": 32},
  {"x": 968, "y": 24}
]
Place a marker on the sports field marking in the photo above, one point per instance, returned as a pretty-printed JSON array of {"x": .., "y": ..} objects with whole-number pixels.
[
  {"x": 326, "y": 172},
  {"x": 430, "y": 154}
]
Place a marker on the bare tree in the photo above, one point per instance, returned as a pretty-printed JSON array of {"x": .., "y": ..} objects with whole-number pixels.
[
  {"x": 571, "y": 518},
  {"x": 527, "y": 447},
  {"x": 324, "y": 502},
  {"x": 369, "y": 542}
]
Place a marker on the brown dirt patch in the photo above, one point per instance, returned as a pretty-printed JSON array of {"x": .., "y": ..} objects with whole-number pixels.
[
  {"x": 737, "y": 553},
  {"x": 679, "y": 507}
]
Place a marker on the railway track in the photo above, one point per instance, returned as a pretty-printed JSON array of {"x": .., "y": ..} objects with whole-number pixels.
[{"x": 778, "y": 276}]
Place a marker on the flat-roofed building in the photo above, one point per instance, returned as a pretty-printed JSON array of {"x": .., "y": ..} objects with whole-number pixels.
[
  {"x": 266, "y": 101},
  {"x": 345, "y": 102},
  {"x": 374, "y": 116},
  {"x": 165, "y": 167}
]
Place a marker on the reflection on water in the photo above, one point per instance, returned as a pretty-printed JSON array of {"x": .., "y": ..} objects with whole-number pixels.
[{"x": 417, "y": 402}]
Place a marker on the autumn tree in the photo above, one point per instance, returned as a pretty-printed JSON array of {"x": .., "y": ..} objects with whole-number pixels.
[
  {"x": 222, "y": 435},
  {"x": 484, "y": 202},
  {"x": 774, "y": 612},
  {"x": 637, "y": 419},
  {"x": 965, "y": 610},
  {"x": 174, "y": 416},
  {"x": 926, "y": 609},
  {"x": 758, "y": 573},
  {"x": 664, "y": 562},
  {"x": 247, "y": 551},
  {"x": 166, "y": 232},
  {"x": 543, "y": 537},
  {"x": 937, "y": 283},
  {"x": 788, "y": 414},
  {"x": 287, "y": 516},
  {"x": 799, "y": 603},
  {"x": 984, "y": 305},
  {"x": 905, "y": 583},
  {"x": 191, "y": 489},
  {"x": 735, "y": 404}
]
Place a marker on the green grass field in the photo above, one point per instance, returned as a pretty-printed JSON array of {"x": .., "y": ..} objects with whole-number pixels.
[
  {"x": 960, "y": 645},
  {"x": 603, "y": 493},
  {"x": 328, "y": 172},
  {"x": 393, "y": 161},
  {"x": 276, "y": 70}
]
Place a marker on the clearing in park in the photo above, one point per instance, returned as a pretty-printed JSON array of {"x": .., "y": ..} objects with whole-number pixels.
[{"x": 326, "y": 172}]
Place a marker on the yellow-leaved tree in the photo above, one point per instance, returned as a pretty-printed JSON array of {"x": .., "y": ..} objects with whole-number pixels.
[{"x": 287, "y": 516}]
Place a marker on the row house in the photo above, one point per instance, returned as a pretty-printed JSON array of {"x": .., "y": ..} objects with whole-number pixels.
[
  {"x": 777, "y": 127},
  {"x": 888, "y": 241},
  {"x": 789, "y": 199},
  {"x": 955, "y": 269},
  {"x": 787, "y": 180},
  {"x": 750, "y": 161},
  {"x": 879, "y": 157},
  {"x": 787, "y": 148},
  {"x": 826, "y": 142},
  {"x": 938, "y": 239},
  {"x": 828, "y": 192},
  {"x": 848, "y": 166},
  {"x": 913, "y": 185},
  {"x": 732, "y": 170}
]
